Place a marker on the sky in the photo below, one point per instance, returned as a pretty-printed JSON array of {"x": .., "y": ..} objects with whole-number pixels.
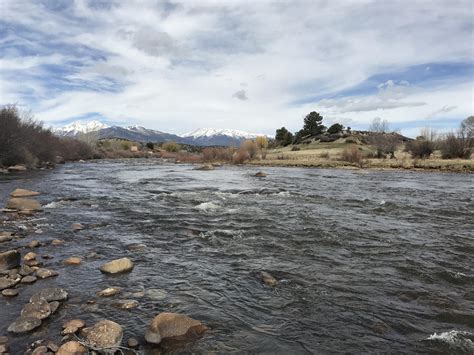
[{"x": 256, "y": 66}]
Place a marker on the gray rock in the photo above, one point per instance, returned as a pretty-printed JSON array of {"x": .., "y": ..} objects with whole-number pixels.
[
  {"x": 28, "y": 279},
  {"x": 125, "y": 304},
  {"x": 5, "y": 237},
  {"x": 24, "y": 325},
  {"x": 54, "y": 306},
  {"x": 25, "y": 270},
  {"x": 39, "y": 309},
  {"x": 6, "y": 282},
  {"x": 50, "y": 294},
  {"x": 104, "y": 334},
  {"x": 117, "y": 266},
  {"x": 45, "y": 273},
  {"x": 10, "y": 292},
  {"x": 170, "y": 325},
  {"x": 9, "y": 260}
]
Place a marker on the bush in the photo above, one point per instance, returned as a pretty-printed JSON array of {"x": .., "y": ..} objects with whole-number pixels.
[
  {"x": 250, "y": 147},
  {"x": 352, "y": 155},
  {"x": 453, "y": 147},
  {"x": 335, "y": 128},
  {"x": 171, "y": 147},
  {"x": 150, "y": 145},
  {"x": 295, "y": 148},
  {"x": 240, "y": 156},
  {"x": 420, "y": 148},
  {"x": 324, "y": 155}
]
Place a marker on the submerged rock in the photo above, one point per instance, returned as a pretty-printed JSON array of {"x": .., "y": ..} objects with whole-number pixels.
[
  {"x": 205, "y": 167},
  {"x": 21, "y": 204},
  {"x": 125, "y": 304},
  {"x": 117, "y": 266},
  {"x": 9, "y": 260},
  {"x": 24, "y": 193},
  {"x": 33, "y": 244},
  {"x": 72, "y": 348},
  {"x": 104, "y": 334},
  {"x": 24, "y": 325},
  {"x": 260, "y": 174},
  {"x": 57, "y": 242},
  {"x": 136, "y": 247},
  {"x": 171, "y": 325},
  {"x": 77, "y": 226},
  {"x": 110, "y": 291},
  {"x": 43, "y": 273},
  {"x": 268, "y": 279},
  {"x": 73, "y": 261},
  {"x": 132, "y": 343},
  {"x": 73, "y": 326}
]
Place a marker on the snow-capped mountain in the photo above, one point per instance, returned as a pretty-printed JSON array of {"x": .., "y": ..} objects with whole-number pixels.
[
  {"x": 212, "y": 132},
  {"x": 200, "y": 137},
  {"x": 79, "y": 127}
]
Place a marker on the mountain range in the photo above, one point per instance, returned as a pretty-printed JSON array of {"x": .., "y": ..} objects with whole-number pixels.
[{"x": 199, "y": 137}]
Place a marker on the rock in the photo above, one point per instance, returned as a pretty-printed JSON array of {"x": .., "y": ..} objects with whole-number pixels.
[
  {"x": 10, "y": 292},
  {"x": 54, "y": 306},
  {"x": 57, "y": 242},
  {"x": 50, "y": 294},
  {"x": 268, "y": 279},
  {"x": 205, "y": 167},
  {"x": 73, "y": 326},
  {"x": 132, "y": 343},
  {"x": 125, "y": 304},
  {"x": 9, "y": 260},
  {"x": 40, "y": 350},
  {"x": 5, "y": 237},
  {"x": 45, "y": 273},
  {"x": 25, "y": 270},
  {"x": 24, "y": 193},
  {"x": 24, "y": 325},
  {"x": 47, "y": 256},
  {"x": 8, "y": 283},
  {"x": 136, "y": 247},
  {"x": 4, "y": 344},
  {"x": 104, "y": 334},
  {"x": 17, "y": 168},
  {"x": 30, "y": 256},
  {"x": 73, "y": 261},
  {"x": 33, "y": 244},
  {"x": 39, "y": 309},
  {"x": 72, "y": 348},
  {"x": 117, "y": 266},
  {"x": 77, "y": 226},
  {"x": 260, "y": 174},
  {"x": 52, "y": 346},
  {"x": 110, "y": 291},
  {"x": 21, "y": 204},
  {"x": 28, "y": 279},
  {"x": 33, "y": 263},
  {"x": 156, "y": 294},
  {"x": 170, "y": 325}
]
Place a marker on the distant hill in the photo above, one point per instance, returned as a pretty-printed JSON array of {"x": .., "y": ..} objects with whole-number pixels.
[{"x": 200, "y": 137}]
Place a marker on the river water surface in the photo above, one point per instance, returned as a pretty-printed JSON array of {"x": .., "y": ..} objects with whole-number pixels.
[{"x": 367, "y": 261}]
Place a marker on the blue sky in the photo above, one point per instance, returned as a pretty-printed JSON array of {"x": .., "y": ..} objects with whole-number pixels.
[{"x": 181, "y": 65}]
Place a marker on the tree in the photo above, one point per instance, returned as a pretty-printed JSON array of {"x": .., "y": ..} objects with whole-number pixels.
[
  {"x": 335, "y": 128},
  {"x": 313, "y": 124},
  {"x": 150, "y": 145},
  {"x": 283, "y": 137},
  {"x": 379, "y": 126},
  {"x": 262, "y": 142}
]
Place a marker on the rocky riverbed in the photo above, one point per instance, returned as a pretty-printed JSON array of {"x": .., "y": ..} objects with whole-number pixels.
[{"x": 149, "y": 257}]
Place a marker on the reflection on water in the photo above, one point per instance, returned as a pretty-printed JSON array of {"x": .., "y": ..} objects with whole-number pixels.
[{"x": 372, "y": 261}]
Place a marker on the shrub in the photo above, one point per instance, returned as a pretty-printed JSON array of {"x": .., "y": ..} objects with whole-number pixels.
[
  {"x": 250, "y": 147},
  {"x": 335, "y": 128},
  {"x": 352, "y": 155},
  {"x": 262, "y": 142},
  {"x": 324, "y": 155},
  {"x": 420, "y": 148},
  {"x": 150, "y": 145},
  {"x": 171, "y": 147},
  {"x": 240, "y": 156},
  {"x": 453, "y": 147},
  {"x": 295, "y": 148}
]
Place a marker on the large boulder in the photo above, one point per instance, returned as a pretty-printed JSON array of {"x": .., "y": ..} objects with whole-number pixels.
[
  {"x": 50, "y": 295},
  {"x": 6, "y": 282},
  {"x": 104, "y": 334},
  {"x": 117, "y": 266},
  {"x": 21, "y": 204},
  {"x": 24, "y": 193},
  {"x": 172, "y": 325},
  {"x": 37, "y": 309},
  {"x": 9, "y": 260}
]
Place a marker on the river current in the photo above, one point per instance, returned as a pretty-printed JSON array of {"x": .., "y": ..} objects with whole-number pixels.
[{"x": 367, "y": 261}]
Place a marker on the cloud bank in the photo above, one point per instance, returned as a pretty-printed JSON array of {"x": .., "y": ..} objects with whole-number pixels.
[{"x": 178, "y": 65}]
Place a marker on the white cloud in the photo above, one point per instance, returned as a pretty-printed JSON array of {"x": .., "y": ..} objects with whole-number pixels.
[{"x": 175, "y": 67}]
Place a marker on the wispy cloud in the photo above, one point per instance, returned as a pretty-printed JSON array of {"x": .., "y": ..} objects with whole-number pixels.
[{"x": 175, "y": 65}]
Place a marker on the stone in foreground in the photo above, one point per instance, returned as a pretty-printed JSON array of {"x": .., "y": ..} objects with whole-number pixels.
[
  {"x": 50, "y": 295},
  {"x": 24, "y": 325},
  {"x": 72, "y": 348},
  {"x": 117, "y": 266},
  {"x": 73, "y": 261},
  {"x": 6, "y": 282},
  {"x": 172, "y": 325},
  {"x": 20, "y": 204},
  {"x": 104, "y": 334},
  {"x": 9, "y": 260},
  {"x": 268, "y": 279},
  {"x": 45, "y": 273},
  {"x": 10, "y": 292},
  {"x": 5, "y": 237},
  {"x": 39, "y": 309},
  {"x": 24, "y": 193},
  {"x": 110, "y": 291},
  {"x": 72, "y": 326}
]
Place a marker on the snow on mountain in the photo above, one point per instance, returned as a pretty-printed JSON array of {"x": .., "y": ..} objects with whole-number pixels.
[
  {"x": 213, "y": 132},
  {"x": 78, "y": 127}
]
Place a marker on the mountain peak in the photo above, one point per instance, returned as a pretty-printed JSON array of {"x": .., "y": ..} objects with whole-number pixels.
[
  {"x": 78, "y": 127},
  {"x": 213, "y": 132}
]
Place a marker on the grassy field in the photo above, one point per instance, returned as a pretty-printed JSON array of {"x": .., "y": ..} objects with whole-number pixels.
[{"x": 330, "y": 155}]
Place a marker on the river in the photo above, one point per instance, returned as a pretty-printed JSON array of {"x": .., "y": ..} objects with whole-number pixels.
[{"x": 367, "y": 261}]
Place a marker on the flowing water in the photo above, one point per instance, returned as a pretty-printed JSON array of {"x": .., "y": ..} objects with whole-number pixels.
[{"x": 367, "y": 261}]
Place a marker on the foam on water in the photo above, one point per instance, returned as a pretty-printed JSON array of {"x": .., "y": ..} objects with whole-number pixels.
[
  {"x": 457, "y": 338},
  {"x": 207, "y": 206}
]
